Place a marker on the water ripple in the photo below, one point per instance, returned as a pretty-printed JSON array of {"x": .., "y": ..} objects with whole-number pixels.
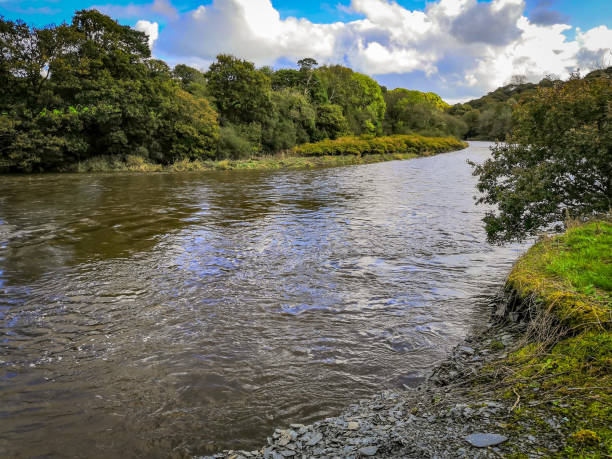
[{"x": 141, "y": 314}]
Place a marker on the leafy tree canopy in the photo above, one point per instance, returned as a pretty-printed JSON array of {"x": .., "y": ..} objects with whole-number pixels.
[
  {"x": 556, "y": 163},
  {"x": 241, "y": 92},
  {"x": 91, "y": 89},
  {"x": 359, "y": 96}
]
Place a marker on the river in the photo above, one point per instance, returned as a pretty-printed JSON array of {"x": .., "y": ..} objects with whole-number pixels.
[{"x": 144, "y": 314}]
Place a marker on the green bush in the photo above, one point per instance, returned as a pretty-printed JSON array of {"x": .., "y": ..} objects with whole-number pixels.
[
  {"x": 233, "y": 144},
  {"x": 379, "y": 145}
]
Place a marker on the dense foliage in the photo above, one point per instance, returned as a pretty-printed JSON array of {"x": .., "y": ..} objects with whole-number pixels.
[
  {"x": 415, "y": 144},
  {"x": 418, "y": 112},
  {"x": 556, "y": 164},
  {"x": 90, "y": 91},
  {"x": 490, "y": 117}
]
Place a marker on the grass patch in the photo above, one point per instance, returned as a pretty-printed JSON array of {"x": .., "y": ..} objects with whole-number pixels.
[
  {"x": 568, "y": 375},
  {"x": 571, "y": 275}
]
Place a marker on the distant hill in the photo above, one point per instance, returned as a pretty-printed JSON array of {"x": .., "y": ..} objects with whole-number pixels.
[{"x": 490, "y": 117}]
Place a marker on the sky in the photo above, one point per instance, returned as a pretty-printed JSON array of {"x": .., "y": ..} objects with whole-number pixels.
[{"x": 460, "y": 49}]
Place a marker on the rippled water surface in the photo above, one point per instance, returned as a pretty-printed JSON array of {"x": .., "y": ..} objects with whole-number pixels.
[{"x": 144, "y": 314}]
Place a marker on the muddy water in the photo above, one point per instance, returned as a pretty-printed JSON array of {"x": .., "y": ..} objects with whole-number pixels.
[{"x": 144, "y": 314}]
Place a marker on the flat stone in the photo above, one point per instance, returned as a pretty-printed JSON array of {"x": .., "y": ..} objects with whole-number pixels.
[
  {"x": 287, "y": 453},
  {"x": 368, "y": 450},
  {"x": 467, "y": 350},
  {"x": 314, "y": 439},
  {"x": 352, "y": 425},
  {"x": 483, "y": 440},
  {"x": 286, "y": 437}
]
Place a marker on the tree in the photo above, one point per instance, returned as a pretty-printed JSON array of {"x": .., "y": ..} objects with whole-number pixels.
[
  {"x": 91, "y": 89},
  {"x": 331, "y": 123},
  {"x": 309, "y": 79},
  {"x": 420, "y": 112},
  {"x": 307, "y": 64},
  {"x": 296, "y": 119},
  {"x": 557, "y": 162},
  {"x": 518, "y": 79},
  {"x": 240, "y": 92},
  {"x": 495, "y": 122},
  {"x": 191, "y": 80},
  {"x": 359, "y": 96}
]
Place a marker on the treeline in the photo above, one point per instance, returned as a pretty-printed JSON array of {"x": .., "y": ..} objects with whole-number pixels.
[
  {"x": 491, "y": 117},
  {"x": 91, "y": 89}
]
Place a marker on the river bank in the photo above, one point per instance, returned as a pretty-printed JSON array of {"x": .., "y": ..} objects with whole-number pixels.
[
  {"x": 536, "y": 382},
  {"x": 344, "y": 151}
]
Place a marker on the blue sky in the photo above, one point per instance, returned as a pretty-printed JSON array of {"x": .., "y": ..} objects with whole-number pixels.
[
  {"x": 457, "y": 48},
  {"x": 584, "y": 14}
]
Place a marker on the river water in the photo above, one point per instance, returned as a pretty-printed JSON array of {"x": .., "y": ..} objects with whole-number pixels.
[{"x": 147, "y": 314}]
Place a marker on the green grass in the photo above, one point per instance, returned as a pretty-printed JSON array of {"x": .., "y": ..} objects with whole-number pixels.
[
  {"x": 584, "y": 258},
  {"x": 571, "y": 274},
  {"x": 567, "y": 373}
]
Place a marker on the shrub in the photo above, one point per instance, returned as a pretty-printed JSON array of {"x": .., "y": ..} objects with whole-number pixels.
[{"x": 379, "y": 145}]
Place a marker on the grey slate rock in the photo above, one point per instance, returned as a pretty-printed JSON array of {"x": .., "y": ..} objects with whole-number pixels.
[
  {"x": 482, "y": 440},
  {"x": 368, "y": 450},
  {"x": 314, "y": 439}
]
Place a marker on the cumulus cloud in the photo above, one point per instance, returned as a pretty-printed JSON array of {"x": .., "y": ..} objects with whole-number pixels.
[
  {"x": 543, "y": 14},
  {"x": 481, "y": 23},
  {"x": 548, "y": 17},
  {"x": 466, "y": 47},
  {"x": 149, "y": 28}
]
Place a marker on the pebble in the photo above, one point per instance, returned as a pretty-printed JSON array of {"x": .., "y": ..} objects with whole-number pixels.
[
  {"x": 314, "y": 439},
  {"x": 368, "y": 450},
  {"x": 467, "y": 350},
  {"x": 482, "y": 440}
]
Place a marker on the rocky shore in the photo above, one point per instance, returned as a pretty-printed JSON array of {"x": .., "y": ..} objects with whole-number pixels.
[{"x": 456, "y": 413}]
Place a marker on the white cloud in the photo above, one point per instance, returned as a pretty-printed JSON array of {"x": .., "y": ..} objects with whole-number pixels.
[
  {"x": 465, "y": 47},
  {"x": 149, "y": 28},
  {"x": 596, "y": 38}
]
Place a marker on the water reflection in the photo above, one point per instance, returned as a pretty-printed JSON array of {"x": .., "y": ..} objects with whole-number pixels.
[{"x": 143, "y": 314}]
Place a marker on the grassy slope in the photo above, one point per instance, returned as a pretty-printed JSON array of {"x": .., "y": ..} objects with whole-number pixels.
[
  {"x": 340, "y": 152},
  {"x": 567, "y": 370}
]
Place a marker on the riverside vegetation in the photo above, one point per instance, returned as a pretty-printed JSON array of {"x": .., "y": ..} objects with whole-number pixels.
[
  {"x": 88, "y": 96},
  {"x": 339, "y": 152}
]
